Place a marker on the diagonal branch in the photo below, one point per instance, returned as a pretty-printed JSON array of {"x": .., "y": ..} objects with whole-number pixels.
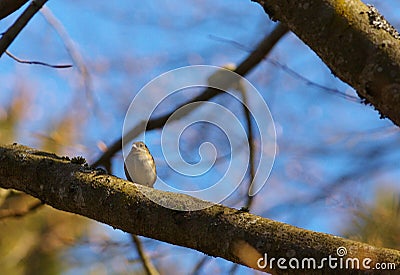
[
  {"x": 7, "y": 7},
  {"x": 218, "y": 231},
  {"x": 245, "y": 67},
  {"x": 12, "y": 32},
  {"x": 147, "y": 264},
  {"x": 72, "y": 50},
  {"x": 19, "y": 60},
  {"x": 354, "y": 41}
]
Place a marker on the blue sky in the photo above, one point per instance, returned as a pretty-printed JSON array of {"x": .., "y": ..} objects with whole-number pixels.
[{"x": 125, "y": 44}]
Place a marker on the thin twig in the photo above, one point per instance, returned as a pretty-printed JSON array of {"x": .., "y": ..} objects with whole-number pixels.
[
  {"x": 37, "y": 62},
  {"x": 12, "y": 32},
  {"x": 308, "y": 82},
  {"x": 250, "y": 141},
  {"x": 246, "y": 66},
  {"x": 148, "y": 266}
]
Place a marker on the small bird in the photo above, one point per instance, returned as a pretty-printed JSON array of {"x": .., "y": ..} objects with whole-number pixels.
[{"x": 139, "y": 165}]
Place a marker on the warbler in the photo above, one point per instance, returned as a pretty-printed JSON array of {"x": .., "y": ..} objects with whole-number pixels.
[{"x": 139, "y": 165}]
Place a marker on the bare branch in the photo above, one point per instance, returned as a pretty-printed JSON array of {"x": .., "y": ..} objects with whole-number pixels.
[
  {"x": 147, "y": 264},
  {"x": 218, "y": 231},
  {"x": 71, "y": 48},
  {"x": 246, "y": 66},
  {"x": 252, "y": 149},
  {"x": 197, "y": 268},
  {"x": 12, "y": 32},
  {"x": 74, "y": 53},
  {"x": 7, "y": 7},
  {"x": 354, "y": 41},
  {"x": 291, "y": 72},
  {"x": 37, "y": 62}
]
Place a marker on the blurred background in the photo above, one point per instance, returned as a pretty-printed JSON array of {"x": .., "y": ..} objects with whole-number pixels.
[{"x": 337, "y": 164}]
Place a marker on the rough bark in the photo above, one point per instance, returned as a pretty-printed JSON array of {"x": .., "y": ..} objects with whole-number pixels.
[
  {"x": 237, "y": 236},
  {"x": 354, "y": 41}
]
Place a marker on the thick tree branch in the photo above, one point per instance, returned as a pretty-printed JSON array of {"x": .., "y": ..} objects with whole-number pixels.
[
  {"x": 218, "y": 231},
  {"x": 355, "y": 42},
  {"x": 7, "y": 7}
]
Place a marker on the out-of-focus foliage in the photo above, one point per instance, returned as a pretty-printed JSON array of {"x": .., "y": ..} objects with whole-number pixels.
[
  {"x": 377, "y": 224},
  {"x": 31, "y": 244}
]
